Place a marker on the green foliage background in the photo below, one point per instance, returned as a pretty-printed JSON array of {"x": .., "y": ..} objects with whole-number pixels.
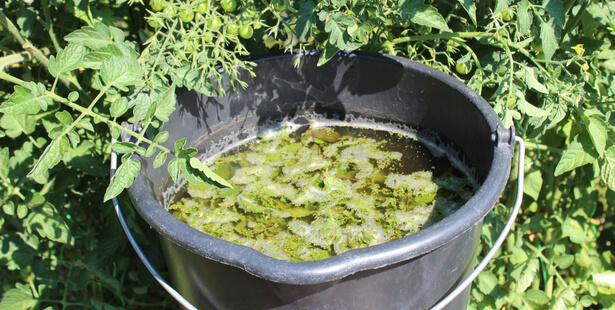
[{"x": 73, "y": 70}]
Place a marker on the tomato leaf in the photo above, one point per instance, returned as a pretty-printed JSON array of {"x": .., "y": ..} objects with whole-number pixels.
[
  {"x": 605, "y": 279},
  {"x": 529, "y": 109},
  {"x": 328, "y": 53},
  {"x": 64, "y": 117},
  {"x": 16, "y": 125},
  {"x": 161, "y": 137},
  {"x": 549, "y": 36},
  {"x": 94, "y": 37},
  {"x": 576, "y": 155},
  {"x": 536, "y": 297},
  {"x": 529, "y": 77},
  {"x": 573, "y": 230},
  {"x": 123, "y": 178},
  {"x": 142, "y": 104},
  {"x": 165, "y": 105},
  {"x": 179, "y": 145},
  {"x": 124, "y": 147},
  {"x": 533, "y": 183},
  {"x": 607, "y": 171},
  {"x": 121, "y": 72},
  {"x": 527, "y": 275},
  {"x": 598, "y": 129},
  {"x": 49, "y": 224},
  {"x": 160, "y": 159},
  {"x": 470, "y": 7},
  {"x": 564, "y": 261},
  {"x": 173, "y": 168},
  {"x": 18, "y": 298},
  {"x": 197, "y": 164},
  {"x": 422, "y": 14},
  {"x": 51, "y": 156},
  {"x": 556, "y": 10},
  {"x": 486, "y": 281},
  {"x": 524, "y": 16},
  {"x": 67, "y": 59},
  {"x": 4, "y": 158},
  {"x": 30, "y": 97},
  {"x": 119, "y": 107},
  {"x": 305, "y": 21},
  {"x": 193, "y": 79},
  {"x": 339, "y": 27}
]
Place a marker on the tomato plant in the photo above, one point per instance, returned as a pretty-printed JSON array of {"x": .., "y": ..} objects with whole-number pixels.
[{"x": 73, "y": 71}]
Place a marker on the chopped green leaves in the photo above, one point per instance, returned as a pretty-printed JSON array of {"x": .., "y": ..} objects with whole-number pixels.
[{"x": 328, "y": 187}]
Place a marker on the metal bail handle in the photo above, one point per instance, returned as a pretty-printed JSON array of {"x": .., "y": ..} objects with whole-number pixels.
[
  {"x": 116, "y": 204},
  {"x": 440, "y": 305},
  {"x": 511, "y": 220}
]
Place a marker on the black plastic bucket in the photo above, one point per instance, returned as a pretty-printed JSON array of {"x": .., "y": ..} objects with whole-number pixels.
[{"x": 413, "y": 272}]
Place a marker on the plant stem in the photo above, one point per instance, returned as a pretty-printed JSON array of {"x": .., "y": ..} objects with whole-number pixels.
[
  {"x": 22, "y": 40},
  {"x": 49, "y": 25},
  {"x": 542, "y": 147},
  {"x": 10, "y": 60},
  {"x": 88, "y": 112},
  {"x": 444, "y": 35}
]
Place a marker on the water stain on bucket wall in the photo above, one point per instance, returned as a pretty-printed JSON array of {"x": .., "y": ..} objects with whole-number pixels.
[{"x": 413, "y": 272}]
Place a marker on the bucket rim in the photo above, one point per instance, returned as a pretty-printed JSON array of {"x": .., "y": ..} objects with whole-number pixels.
[{"x": 342, "y": 265}]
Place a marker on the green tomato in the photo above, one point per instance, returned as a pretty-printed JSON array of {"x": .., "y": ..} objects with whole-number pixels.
[
  {"x": 157, "y": 5},
  {"x": 208, "y": 37},
  {"x": 512, "y": 100},
  {"x": 279, "y": 5},
  {"x": 154, "y": 23},
  {"x": 507, "y": 15},
  {"x": 244, "y": 18},
  {"x": 463, "y": 68},
  {"x": 232, "y": 29},
  {"x": 191, "y": 46},
  {"x": 169, "y": 10},
  {"x": 186, "y": 15},
  {"x": 537, "y": 44},
  {"x": 214, "y": 23},
  {"x": 246, "y": 32},
  {"x": 228, "y": 5},
  {"x": 202, "y": 7}
]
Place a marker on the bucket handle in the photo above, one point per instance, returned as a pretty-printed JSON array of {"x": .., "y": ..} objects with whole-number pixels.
[
  {"x": 116, "y": 204},
  {"x": 440, "y": 305},
  {"x": 511, "y": 220}
]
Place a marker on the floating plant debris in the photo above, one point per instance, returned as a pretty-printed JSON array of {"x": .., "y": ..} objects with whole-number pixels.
[{"x": 309, "y": 194}]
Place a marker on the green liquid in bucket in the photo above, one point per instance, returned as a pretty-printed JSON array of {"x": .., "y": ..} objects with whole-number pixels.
[{"x": 311, "y": 193}]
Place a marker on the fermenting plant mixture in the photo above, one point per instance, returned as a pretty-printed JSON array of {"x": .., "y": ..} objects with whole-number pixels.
[{"x": 311, "y": 194}]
